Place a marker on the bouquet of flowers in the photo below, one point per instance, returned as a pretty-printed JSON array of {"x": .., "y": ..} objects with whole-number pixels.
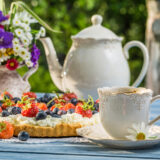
[{"x": 18, "y": 38}]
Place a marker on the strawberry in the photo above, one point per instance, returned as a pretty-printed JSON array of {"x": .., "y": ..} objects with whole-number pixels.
[
  {"x": 69, "y": 106},
  {"x": 80, "y": 110},
  {"x": 30, "y": 95},
  {"x": 30, "y": 110},
  {"x": 42, "y": 106},
  {"x": 97, "y": 101},
  {"x": 69, "y": 96},
  {"x": 8, "y": 103},
  {"x": 6, "y": 130},
  {"x": 88, "y": 113},
  {"x": 6, "y": 94},
  {"x": 60, "y": 101},
  {"x": 0, "y": 109},
  {"x": 53, "y": 107}
]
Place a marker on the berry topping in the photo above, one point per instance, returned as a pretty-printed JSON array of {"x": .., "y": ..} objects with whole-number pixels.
[
  {"x": 96, "y": 106},
  {"x": 15, "y": 110},
  {"x": 30, "y": 95},
  {"x": 70, "y": 111},
  {"x": 69, "y": 96},
  {"x": 6, "y": 130},
  {"x": 5, "y": 113},
  {"x": 88, "y": 113},
  {"x": 30, "y": 110},
  {"x": 69, "y": 106},
  {"x": 74, "y": 101},
  {"x": 42, "y": 106},
  {"x": 41, "y": 115},
  {"x": 6, "y": 95},
  {"x": 0, "y": 109},
  {"x": 23, "y": 136},
  {"x": 16, "y": 99},
  {"x": 97, "y": 101},
  {"x": 55, "y": 110}
]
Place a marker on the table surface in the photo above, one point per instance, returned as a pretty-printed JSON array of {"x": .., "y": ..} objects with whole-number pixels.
[{"x": 76, "y": 150}]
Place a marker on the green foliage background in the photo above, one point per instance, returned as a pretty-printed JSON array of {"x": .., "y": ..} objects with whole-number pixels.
[{"x": 125, "y": 18}]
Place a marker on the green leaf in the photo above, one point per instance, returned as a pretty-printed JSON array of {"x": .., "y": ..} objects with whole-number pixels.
[
  {"x": 2, "y": 6},
  {"x": 34, "y": 15}
]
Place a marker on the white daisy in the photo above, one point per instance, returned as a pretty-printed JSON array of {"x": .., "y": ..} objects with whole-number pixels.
[
  {"x": 29, "y": 63},
  {"x": 16, "y": 22},
  {"x": 25, "y": 41},
  {"x": 23, "y": 53},
  {"x": 139, "y": 132},
  {"x": 2, "y": 50},
  {"x": 15, "y": 41},
  {"x": 16, "y": 48},
  {"x": 43, "y": 31},
  {"x": 19, "y": 32}
]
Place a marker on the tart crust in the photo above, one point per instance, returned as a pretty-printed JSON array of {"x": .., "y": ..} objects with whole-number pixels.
[{"x": 60, "y": 130}]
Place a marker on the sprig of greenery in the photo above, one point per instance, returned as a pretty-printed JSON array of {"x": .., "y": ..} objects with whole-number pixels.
[
  {"x": 89, "y": 104},
  {"x": 34, "y": 15}
]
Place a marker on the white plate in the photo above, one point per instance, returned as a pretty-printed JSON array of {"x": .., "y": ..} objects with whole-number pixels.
[{"x": 97, "y": 135}]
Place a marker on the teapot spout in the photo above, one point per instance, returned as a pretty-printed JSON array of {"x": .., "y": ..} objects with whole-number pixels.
[{"x": 54, "y": 66}]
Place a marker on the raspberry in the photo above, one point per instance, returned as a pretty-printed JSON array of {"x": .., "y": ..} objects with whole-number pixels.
[
  {"x": 42, "y": 106},
  {"x": 6, "y": 130},
  {"x": 30, "y": 110},
  {"x": 69, "y": 96},
  {"x": 69, "y": 106}
]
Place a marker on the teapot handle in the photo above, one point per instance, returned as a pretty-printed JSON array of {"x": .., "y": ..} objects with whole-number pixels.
[
  {"x": 145, "y": 57},
  {"x": 30, "y": 72}
]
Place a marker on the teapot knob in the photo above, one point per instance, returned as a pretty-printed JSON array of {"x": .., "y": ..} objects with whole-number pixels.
[{"x": 96, "y": 19}]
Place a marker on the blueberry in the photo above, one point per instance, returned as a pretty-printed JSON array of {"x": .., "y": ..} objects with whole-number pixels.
[
  {"x": 5, "y": 113},
  {"x": 74, "y": 101},
  {"x": 96, "y": 106},
  {"x": 16, "y": 110},
  {"x": 55, "y": 115},
  {"x": 46, "y": 95},
  {"x": 94, "y": 112},
  {"x": 23, "y": 136},
  {"x": 48, "y": 112},
  {"x": 61, "y": 112},
  {"x": 71, "y": 111},
  {"x": 16, "y": 99},
  {"x": 55, "y": 111},
  {"x": 41, "y": 115}
]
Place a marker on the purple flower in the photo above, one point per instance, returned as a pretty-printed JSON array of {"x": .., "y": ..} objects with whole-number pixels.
[
  {"x": 2, "y": 17},
  {"x": 5, "y": 39},
  {"x": 35, "y": 53}
]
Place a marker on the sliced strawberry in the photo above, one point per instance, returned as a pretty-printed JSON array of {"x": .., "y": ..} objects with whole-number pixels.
[
  {"x": 69, "y": 106},
  {"x": 6, "y": 130},
  {"x": 30, "y": 95},
  {"x": 30, "y": 110},
  {"x": 42, "y": 106},
  {"x": 53, "y": 107}
]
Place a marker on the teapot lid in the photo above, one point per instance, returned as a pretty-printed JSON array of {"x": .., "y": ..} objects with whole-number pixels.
[{"x": 96, "y": 31}]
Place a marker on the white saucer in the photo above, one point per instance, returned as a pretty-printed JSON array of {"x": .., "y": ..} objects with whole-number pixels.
[{"x": 97, "y": 135}]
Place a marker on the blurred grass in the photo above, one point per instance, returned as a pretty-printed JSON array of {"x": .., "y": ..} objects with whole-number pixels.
[{"x": 125, "y": 18}]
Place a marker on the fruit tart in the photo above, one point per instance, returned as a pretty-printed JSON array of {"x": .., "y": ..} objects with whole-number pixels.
[{"x": 48, "y": 116}]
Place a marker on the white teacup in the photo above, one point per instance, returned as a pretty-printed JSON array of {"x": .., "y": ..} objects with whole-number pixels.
[{"x": 121, "y": 107}]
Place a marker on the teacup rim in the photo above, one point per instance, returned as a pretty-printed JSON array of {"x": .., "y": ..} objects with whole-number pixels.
[{"x": 123, "y": 91}]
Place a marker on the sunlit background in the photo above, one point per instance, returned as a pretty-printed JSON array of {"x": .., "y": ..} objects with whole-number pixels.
[{"x": 125, "y": 18}]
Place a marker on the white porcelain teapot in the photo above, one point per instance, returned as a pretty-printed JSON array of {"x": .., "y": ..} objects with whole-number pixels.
[{"x": 96, "y": 59}]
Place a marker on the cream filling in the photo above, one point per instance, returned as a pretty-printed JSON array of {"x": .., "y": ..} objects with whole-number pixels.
[{"x": 51, "y": 121}]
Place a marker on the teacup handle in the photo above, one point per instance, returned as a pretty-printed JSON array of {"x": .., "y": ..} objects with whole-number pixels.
[{"x": 158, "y": 117}]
